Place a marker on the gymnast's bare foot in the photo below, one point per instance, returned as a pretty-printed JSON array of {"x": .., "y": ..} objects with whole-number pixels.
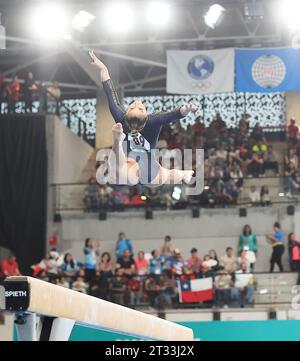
[
  {"x": 188, "y": 174},
  {"x": 118, "y": 134}
]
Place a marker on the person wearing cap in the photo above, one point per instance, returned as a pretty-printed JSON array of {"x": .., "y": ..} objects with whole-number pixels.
[{"x": 175, "y": 263}]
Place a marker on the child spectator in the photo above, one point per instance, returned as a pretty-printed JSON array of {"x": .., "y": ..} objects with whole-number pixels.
[{"x": 79, "y": 285}]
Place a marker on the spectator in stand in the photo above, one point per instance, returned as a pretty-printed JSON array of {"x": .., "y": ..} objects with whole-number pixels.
[
  {"x": 236, "y": 174},
  {"x": 122, "y": 245},
  {"x": 135, "y": 290},
  {"x": 152, "y": 289},
  {"x": 29, "y": 89},
  {"x": 61, "y": 281},
  {"x": 265, "y": 196},
  {"x": 156, "y": 263},
  {"x": 9, "y": 267},
  {"x": 277, "y": 242},
  {"x": 243, "y": 259},
  {"x": 243, "y": 289},
  {"x": 70, "y": 268},
  {"x": 166, "y": 249},
  {"x": 290, "y": 179},
  {"x": 259, "y": 147},
  {"x": 294, "y": 252},
  {"x": 118, "y": 287},
  {"x": 213, "y": 256},
  {"x": 194, "y": 262},
  {"x": 247, "y": 239},
  {"x": 231, "y": 191},
  {"x": 221, "y": 156},
  {"x": 13, "y": 94},
  {"x": 254, "y": 196},
  {"x": 256, "y": 165},
  {"x": 79, "y": 285},
  {"x": 229, "y": 261},
  {"x": 291, "y": 157},
  {"x": 126, "y": 264},
  {"x": 198, "y": 127},
  {"x": 175, "y": 263},
  {"x": 223, "y": 284},
  {"x": 292, "y": 132},
  {"x": 105, "y": 269},
  {"x": 141, "y": 264},
  {"x": 91, "y": 253},
  {"x": 91, "y": 195},
  {"x": 53, "y": 97},
  {"x": 209, "y": 266},
  {"x": 257, "y": 133},
  {"x": 270, "y": 161}
]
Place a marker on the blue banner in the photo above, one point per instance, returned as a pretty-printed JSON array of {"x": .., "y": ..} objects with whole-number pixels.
[{"x": 267, "y": 70}]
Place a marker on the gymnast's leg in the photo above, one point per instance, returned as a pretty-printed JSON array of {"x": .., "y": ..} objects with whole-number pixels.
[
  {"x": 125, "y": 170},
  {"x": 173, "y": 176}
]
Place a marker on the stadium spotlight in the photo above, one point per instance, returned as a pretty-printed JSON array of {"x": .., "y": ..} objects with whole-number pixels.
[
  {"x": 82, "y": 20},
  {"x": 48, "y": 21},
  {"x": 288, "y": 11},
  {"x": 214, "y": 15},
  {"x": 118, "y": 18},
  {"x": 158, "y": 13}
]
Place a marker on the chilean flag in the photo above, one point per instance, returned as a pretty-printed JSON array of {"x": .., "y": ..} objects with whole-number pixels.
[{"x": 195, "y": 290}]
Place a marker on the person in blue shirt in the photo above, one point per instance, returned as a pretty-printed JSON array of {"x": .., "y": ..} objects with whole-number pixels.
[
  {"x": 70, "y": 267},
  {"x": 123, "y": 244},
  {"x": 156, "y": 263},
  {"x": 135, "y": 136},
  {"x": 91, "y": 253},
  {"x": 277, "y": 242}
]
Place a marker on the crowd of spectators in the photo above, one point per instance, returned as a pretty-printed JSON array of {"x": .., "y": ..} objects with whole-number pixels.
[
  {"x": 143, "y": 279},
  {"x": 29, "y": 90},
  {"x": 291, "y": 160}
]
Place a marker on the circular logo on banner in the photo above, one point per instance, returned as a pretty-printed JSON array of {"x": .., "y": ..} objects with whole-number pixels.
[
  {"x": 200, "y": 67},
  {"x": 268, "y": 71}
]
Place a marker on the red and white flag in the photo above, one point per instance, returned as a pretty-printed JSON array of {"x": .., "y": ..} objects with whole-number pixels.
[{"x": 195, "y": 290}]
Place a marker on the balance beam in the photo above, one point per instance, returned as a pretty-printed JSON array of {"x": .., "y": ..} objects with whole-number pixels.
[{"x": 27, "y": 294}]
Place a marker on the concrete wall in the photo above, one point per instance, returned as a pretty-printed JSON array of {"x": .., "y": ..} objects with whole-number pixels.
[
  {"x": 214, "y": 229},
  {"x": 67, "y": 157},
  {"x": 292, "y": 106},
  {"x": 66, "y": 151}
]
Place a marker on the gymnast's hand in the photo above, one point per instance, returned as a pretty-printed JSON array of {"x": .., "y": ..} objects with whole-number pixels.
[
  {"x": 185, "y": 109},
  {"x": 102, "y": 67}
]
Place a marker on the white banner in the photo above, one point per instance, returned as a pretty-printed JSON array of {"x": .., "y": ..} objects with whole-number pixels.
[{"x": 200, "y": 72}]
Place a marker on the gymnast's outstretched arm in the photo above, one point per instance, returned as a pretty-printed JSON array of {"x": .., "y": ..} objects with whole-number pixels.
[
  {"x": 115, "y": 107},
  {"x": 173, "y": 115}
]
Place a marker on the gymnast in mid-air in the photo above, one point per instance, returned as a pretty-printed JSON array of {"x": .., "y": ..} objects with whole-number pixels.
[{"x": 135, "y": 136}]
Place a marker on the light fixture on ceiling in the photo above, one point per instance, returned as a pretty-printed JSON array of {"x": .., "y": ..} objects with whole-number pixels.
[{"x": 214, "y": 15}]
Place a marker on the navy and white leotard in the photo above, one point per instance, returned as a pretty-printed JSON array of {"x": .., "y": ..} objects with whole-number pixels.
[{"x": 150, "y": 132}]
